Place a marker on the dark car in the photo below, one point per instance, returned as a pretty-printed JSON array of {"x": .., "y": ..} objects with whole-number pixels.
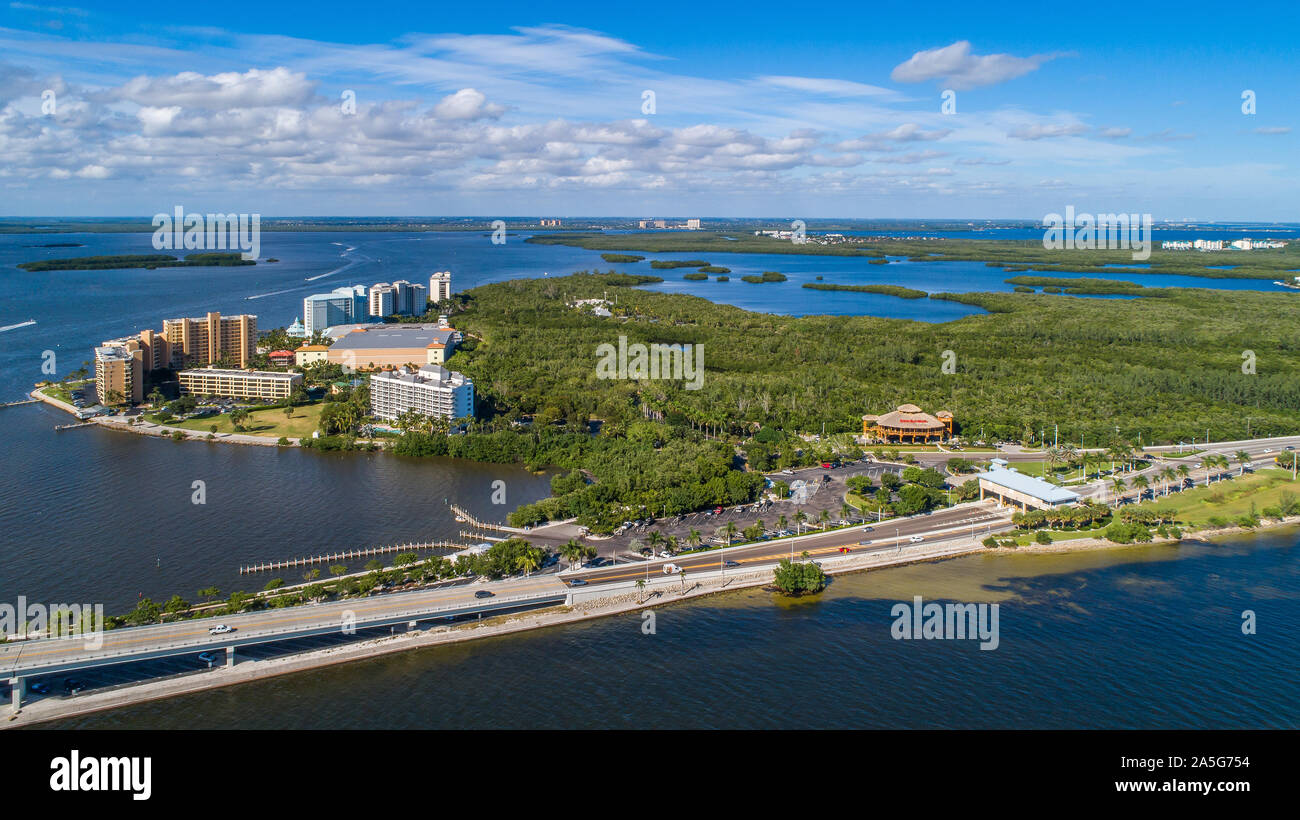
[
  {"x": 732, "y": 564},
  {"x": 483, "y": 593},
  {"x": 39, "y": 688},
  {"x": 72, "y": 686}
]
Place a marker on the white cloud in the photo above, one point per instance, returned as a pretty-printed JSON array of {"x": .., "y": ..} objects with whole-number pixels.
[
  {"x": 466, "y": 104},
  {"x": 1040, "y": 131},
  {"x": 253, "y": 88},
  {"x": 960, "y": 69}
]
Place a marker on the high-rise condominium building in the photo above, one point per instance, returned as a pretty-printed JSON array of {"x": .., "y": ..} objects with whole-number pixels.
[
  {"x": 210, "y": 339},
  {"x": 119, "y": 374},
  {"x": 341, "y": 306},
  {"x": 399, "y": 298},
  {"x": 432, "y": 390},
  {"x": 440, "y": 286}
]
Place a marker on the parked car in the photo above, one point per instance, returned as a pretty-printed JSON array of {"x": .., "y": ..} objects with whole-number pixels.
[
  {"x": 665, "y": 554},
  {"x": 39, "y": 688},
  {"x": 207, "y": 657},
  {"x": 220, "y": 629},
  {"x": 72, "y": 686},
  {"x": 717, "y": 511},
  {"x": 826, "y": 465}
]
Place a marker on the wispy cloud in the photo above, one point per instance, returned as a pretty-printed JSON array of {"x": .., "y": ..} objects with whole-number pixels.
[{"x": 960, "y": 69}]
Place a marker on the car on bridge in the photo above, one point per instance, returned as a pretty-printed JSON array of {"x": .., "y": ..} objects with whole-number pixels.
[
  {"x": 845, "y": 550},
  {"x": 483, "y": 593},
  {"x": 577, "y": 582},
  {"x": 671, "y": 569},
  {"x": 220, "y": 629},
  {"x": 916, "y": 539}
]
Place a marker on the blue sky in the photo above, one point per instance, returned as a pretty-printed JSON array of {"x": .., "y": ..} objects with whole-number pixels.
[{"x": 779, "y": 110}]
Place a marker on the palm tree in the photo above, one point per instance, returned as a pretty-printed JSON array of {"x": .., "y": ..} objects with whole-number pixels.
[
  {"x": 1166, "y": 477},
  {"x": 654, "y": 538},
  {"x": 1141, "y": 482},
  {"x": 845, "y": 510},
  {"x": 799, "y": 518},
  {"x": 640, "y": 590},
  {"x": 1242, "y": 458},
  {"x": 781, "y": 521},
  {"x": 730, "y": 530},
  {"x": 693, "y": 538},
  {"x": 672, "y": 544},
  {"x": 1117, "y": 485},
  {"x": 527, "y": 561},
  {"x": 1183, "y": 472},
  {"x": 823, "y": 517}
]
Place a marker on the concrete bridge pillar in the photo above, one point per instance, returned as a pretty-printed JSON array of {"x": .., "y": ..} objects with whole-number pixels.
[
  {"x": 18, "y": 688},
  {"x": 230, "y": 656}
]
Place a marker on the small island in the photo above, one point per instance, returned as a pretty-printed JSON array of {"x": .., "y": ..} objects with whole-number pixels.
[
  {"x": 888, "y": 290},
  {"x": 148, "y": 261}
]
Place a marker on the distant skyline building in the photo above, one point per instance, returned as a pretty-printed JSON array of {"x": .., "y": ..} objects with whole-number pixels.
[
  {"x": 440, "y": 286},
  {"x": 431, "y": 390},
  {"x": 401, "y": 298},
  {"x": 340, "y": 306}
]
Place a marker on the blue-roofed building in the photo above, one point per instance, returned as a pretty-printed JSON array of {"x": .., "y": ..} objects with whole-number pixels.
[{"x": 1010, "y": 486}]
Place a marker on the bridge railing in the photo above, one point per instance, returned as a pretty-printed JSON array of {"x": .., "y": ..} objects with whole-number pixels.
[{"x": 217, "y": 642}]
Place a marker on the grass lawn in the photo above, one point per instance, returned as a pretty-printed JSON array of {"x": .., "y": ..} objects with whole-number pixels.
[
  {"x": 63, "y": 390},
  {"x": 1228, "y": 498},
  {"x": 270, "y": 422}
]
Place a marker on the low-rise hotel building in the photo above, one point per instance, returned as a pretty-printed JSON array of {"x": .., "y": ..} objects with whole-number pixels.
[
  {"x": 383, "y": 347},
  {"x": 431, "y": 390},
  {"x": 311, "y": 354},
  {"x": 258, "y": 385}
]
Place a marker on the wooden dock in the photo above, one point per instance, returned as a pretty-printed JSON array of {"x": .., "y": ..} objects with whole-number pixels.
[
  {"x": 462, "y": 515},
  {"x": 20, "y": 401},
  {"x": 63, "y": 427},
  {"x": 347, "y": 555}
]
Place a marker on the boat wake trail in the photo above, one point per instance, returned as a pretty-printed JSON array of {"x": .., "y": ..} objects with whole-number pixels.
[{"x": 27, "y": 323}]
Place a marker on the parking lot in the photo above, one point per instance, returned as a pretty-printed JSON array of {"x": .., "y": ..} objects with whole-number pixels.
[{"x": 825, "y": 491}]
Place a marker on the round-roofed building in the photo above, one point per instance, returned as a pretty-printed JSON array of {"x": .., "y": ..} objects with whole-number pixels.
[{"x": 908, "y": 424}]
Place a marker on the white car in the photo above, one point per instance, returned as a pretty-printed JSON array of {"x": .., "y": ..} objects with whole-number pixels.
[
  {"x": 671, "y": 569},
  {"x": 665, "y": 554},
  {"x": 220, "y": 629},
  {"x": 916, "y": 539}
]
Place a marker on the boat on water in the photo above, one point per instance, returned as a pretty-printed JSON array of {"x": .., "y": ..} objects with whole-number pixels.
[{"x": 1293, "y": 285}]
